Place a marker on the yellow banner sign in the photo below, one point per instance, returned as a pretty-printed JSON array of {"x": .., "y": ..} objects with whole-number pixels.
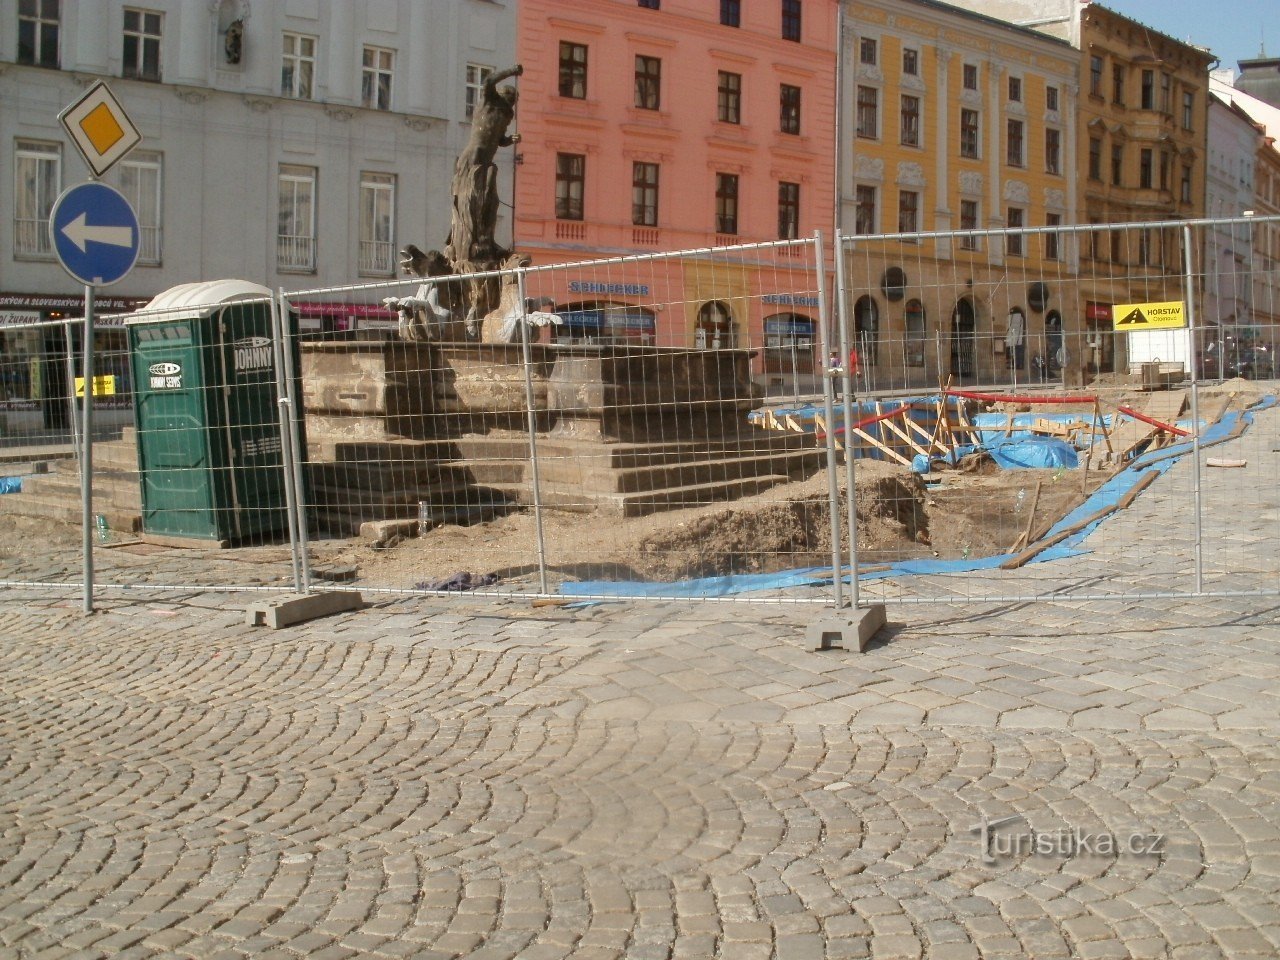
[
  {"x": 104, "y": 386},
  {"x": 1149, "y": 316}
]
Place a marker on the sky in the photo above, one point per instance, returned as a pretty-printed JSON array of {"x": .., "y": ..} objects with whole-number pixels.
[{"x": 1233, "y": 30}]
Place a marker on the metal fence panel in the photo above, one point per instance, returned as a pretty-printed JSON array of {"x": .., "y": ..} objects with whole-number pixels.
[
  {"x": 1010, "y": 342},
  {"x": 618, "y": 441}
]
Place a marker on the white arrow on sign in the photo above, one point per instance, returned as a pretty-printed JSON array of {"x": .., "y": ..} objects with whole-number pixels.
[{"x": 80, "y": 233}]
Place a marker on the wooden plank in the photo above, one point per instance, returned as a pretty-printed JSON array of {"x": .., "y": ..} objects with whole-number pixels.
[
  {"x": 881, "y": 447},
  {"x": 1031, "y": 517},
  {"x": 902, "y": 435}
]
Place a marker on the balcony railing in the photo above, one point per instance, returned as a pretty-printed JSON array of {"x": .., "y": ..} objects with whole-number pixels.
[
  {"x": 571, "y": 230},
  {"x": 296, "y": 253},
  {"x": 377, "y": 257},
  {"x": 644, "y": 236}
]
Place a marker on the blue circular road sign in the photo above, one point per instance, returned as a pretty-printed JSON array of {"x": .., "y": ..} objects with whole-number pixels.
[{"x": 95, "y": 234}]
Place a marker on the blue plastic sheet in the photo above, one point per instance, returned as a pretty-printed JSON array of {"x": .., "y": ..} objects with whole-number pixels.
[
  {"x": 1034, "y": 453},
  {"x": 10, "y": 484}
]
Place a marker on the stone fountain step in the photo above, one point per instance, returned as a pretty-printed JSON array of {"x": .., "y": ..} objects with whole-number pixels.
[
  {"x": 593, "y": 477},
  {"x": 653, "y": 501},
  {"x": 116, "y": 495}
]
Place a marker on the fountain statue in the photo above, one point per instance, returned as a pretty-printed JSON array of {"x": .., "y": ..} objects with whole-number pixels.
[{"x": 445, "y": 309}]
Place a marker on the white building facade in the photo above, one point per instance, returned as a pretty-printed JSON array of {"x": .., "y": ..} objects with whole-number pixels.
[
  {"x": 1234, "y": 139},
  {"x": 295, "y": 143}
]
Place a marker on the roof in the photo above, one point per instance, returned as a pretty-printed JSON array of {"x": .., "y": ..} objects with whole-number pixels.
[{"x": 189, "y": 300}]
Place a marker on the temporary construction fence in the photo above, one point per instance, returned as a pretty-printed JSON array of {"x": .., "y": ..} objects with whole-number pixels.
[{"x": 691, "y": 424}]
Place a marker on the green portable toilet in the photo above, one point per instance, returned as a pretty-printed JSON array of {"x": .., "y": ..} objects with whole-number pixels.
[{"x": 205, "y": 408}]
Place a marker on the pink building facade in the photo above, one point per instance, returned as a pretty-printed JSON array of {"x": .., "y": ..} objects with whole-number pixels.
[{"x": 664, "y": 125}]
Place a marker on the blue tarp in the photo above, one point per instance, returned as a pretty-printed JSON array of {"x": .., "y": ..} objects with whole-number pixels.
[
  {"x": 1108, "y": 494},
  {"x": 1042, "y": 453},
  {"x": 10, "y": 484}
]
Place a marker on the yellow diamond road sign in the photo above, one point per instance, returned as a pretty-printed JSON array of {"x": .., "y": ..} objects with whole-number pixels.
[
  {"x": 1148, "y": 316},
  {"x": 100, "y": 128}
]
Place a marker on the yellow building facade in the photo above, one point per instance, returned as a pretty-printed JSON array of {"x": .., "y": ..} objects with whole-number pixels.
[
  {"x": 954, "y": 121},
  {"x": 1142, "y": 157}
]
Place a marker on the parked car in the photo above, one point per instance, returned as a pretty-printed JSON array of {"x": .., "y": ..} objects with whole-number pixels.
[{"x": 1249, "y": 361}]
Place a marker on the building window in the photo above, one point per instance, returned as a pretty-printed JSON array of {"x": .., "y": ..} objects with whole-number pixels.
[
  {"x": 969, "y": 221},
  {"x": 375, "y": 78},
  {"x": 1117, "y": 164},
  {"x": 911, "y": 121},
  {"x": 969, "y": 76},
  {"x": 917, "y": 334},
  {"x": 573, "y": 70},
  {"x": 868, "y": 112},
  {"x": 644, "y": 194},
  {"x": 571, "y": 176},
  {"x": 650, "y": 4},
  {"x": 731, "y": 13},
  {"x": 1144, "y": 247},
  {"x": 1013, "y": 241},
  {"x": 648, "y": 82},
  {"x": 1095, "y": 240},
  {"x": 141, "y": 57},
  {"x": 1015, "y": 89},
  {"x": 908, "y": 211},
  {"x": 1052, "y": 150},
  {"x": 1144, "y": 169},
  {"x": 1186, "y": 184},
  {"x": 1166, "y": 94},
  {"x": 1095, "y": 76},
  {"x": 296, "y": 225},
  {"x": 788, "y": 210},
  {"x": 1165, "y": 166},
  {"x": 140, "y": 183},
  {"x": 1117, "y": 83},
  {"x": 37, "y": 181},
  {"x": 969, "y": 133},
  {"x": 1188, "y": 110},
  {"x": 1095, "y": 158},
  {"x": 791, "y": 20},
  {"x": 789, "y": 103},
  {"x": 868, "y": 51},
  {"x": 377, "y": 224},
  {"x": 38, "y": 32},
  {"x": 865, "y": 210},
  {"x": 1148, "y": 89},
  {"x": 1051, "y": 98},
  {"x": 1117, "y": 247},
  {"x": 727, "y": 203},
  {"x": 910, "y": 62},
  {"x": 298, "y": 66},
  {"x": 1051, "y": 249},
  {"x": 1015, "y": 147},
  {"x": 477, "y": 74},
  {"x": 729, "y": 97}
]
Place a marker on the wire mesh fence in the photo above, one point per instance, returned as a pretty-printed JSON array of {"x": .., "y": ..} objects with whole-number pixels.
[
  {"x": 601, "y": 429},
  {"x": 978, "y": 415}
]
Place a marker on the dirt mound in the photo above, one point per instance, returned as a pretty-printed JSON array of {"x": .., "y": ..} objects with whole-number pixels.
[{"x": 754, "y": 537}]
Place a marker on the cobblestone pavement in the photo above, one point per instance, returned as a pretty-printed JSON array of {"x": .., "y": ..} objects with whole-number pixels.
[{"x": 438, "y": 779}]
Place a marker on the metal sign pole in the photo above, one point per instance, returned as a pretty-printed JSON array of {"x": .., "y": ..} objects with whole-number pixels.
[{"x": 86, "y": 462}]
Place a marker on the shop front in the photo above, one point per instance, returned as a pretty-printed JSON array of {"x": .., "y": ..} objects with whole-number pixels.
[{"x": 34, "y": 351}]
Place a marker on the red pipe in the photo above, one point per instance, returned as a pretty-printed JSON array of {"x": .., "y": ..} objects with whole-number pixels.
[{"x": 1176, "y": 431}]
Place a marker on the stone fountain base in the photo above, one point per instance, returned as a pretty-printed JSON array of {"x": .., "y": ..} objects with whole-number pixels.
[{"x": 627, "y": 430}]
